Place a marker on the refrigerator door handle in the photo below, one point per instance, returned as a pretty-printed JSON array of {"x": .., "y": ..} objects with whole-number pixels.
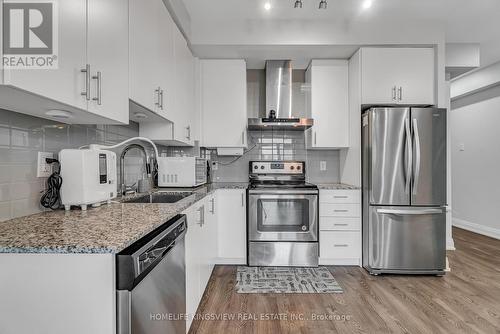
[
  {"x": 417, "y": 156},
  {"x": 410, "y": 212},
  {"x": 409, "y": 156}
]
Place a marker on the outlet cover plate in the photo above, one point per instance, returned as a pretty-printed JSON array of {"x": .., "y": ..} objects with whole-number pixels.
[
  {"x": 43, "y": 168},
  {"x": 322, "y": 165}
]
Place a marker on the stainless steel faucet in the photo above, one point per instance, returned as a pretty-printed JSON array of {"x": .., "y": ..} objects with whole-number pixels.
[{"x": 147, "y": 165}]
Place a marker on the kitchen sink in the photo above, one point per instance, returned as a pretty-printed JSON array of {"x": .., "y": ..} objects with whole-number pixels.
[{"x": 159, "y": 197}]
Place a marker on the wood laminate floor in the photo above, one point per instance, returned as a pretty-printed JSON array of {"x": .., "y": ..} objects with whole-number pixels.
[{"x": 467, "y": 300}]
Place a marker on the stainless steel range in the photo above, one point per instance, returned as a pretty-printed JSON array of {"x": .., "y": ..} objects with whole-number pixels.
[{"x": 282, "y": 215}]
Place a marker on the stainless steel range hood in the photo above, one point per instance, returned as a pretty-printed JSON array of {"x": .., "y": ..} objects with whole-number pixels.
[{"x": 278, "y": 113}]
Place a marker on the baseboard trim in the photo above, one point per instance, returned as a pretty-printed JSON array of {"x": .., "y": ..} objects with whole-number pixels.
[{"x": 477, "y": 228}]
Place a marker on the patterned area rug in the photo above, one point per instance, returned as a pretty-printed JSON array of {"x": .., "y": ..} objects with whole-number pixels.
[{"x": 285, "y": 280}]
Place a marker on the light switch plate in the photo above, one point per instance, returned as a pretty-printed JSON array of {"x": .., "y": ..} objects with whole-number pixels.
[
  {"x": 43, "y": 168},
  {"x": 322, "y": 165},
  {"x": 461, "y": 147}
]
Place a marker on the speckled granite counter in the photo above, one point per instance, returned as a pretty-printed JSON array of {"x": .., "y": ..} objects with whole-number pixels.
[
  {"x": 106, "y": 229},
  {"x": 337, "y": 186}
]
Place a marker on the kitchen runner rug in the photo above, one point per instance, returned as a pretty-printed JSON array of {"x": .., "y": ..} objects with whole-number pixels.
[{"x": 285, "y": 280}]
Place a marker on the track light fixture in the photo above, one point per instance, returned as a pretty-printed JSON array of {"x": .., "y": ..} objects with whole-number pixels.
[
  {"x": 298, "y": 4},
  {"x": 322, "y": 4}
]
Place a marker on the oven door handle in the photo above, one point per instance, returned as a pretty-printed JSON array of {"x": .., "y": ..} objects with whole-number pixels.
[{"x": 282, "y": 192}]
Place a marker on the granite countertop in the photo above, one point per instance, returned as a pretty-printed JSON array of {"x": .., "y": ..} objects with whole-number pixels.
[
  {"x": 337, "y": 186},
  {"x": 105, "y": 229}
]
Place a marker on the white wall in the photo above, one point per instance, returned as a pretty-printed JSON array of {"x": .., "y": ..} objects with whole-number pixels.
[{"x": 475, "y": 169}]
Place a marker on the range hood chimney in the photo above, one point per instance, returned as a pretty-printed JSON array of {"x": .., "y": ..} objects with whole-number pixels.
[{"x": 278, "y": 113}]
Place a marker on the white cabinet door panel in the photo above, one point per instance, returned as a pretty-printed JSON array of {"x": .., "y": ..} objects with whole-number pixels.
[
  {"x": 107, "y": 53},
  {"x": 223, "y": 103},
  {"x": 231, "y": 234},
  {"x": 329, "y": 103},
  {"x": 66, "y": 83}
]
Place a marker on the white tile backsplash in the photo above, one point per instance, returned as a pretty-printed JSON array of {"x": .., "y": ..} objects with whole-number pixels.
[{"x": 22, "y": 136}]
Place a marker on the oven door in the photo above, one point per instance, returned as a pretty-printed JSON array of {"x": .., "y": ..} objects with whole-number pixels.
[{"x": 283, "y": 215}]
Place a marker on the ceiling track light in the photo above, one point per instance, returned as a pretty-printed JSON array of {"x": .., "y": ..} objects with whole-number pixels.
[
  {"x": 298, "y": 4},
  {"x": 323, "y": 4}
]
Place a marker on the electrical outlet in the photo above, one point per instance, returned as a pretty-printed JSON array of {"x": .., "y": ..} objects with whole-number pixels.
[
  {"x": 322, "y": 165},
  {"x": 461, "y": 147},
  {"x": 215, "y": 165},
  {"x": 44, "y": 169}
]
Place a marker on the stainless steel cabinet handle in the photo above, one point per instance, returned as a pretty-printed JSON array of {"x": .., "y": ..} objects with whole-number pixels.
[
  {"x": 340, "y": 210},
  {"x": 340, "y": 245},
  {"x": 161, "y": 99},
  {"x": 242, "y": 200},
  {"x": 157, "y": 95},
  {"x": 213, "y": 205},
  {"x": 201, "y": 211},
  {"x": 315, "y": 138},
  {"x": 408, "y": 156},
  {"x": 98, "y": 77},
  {"x": 400, "y": 93},
  {"x": 394, "y": 97},
  {"x": 340, "y": 224},
  {"x": 188, "y": 135},
  {"x": 417, "y": 156},
  {"x": 410, "y": 212},
  {"x": 340, "y": 196},
  {"x": 243, "y": 137},
  {"x": 86, "y": 70}
]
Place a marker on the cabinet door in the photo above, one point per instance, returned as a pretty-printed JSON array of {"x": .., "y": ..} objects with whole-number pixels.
[
  {"x": 223, "y": 103},
  {"x": 66, "y": 83},
  {"x": 145, "y": 52},
  {"x": 329, "y": 103},
  {"x": 193, "y": 251},
  {"x": 386, "y": 70},
  {"x": 231, "y": 226},
  {"x": 209, "y": 252},
  {"x": 184, "y": 97},
  {"x": 166, "y": 65},
  {"x": 107, "y": 54}
]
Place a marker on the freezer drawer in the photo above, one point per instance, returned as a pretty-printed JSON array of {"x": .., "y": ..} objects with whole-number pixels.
[{"x": 405, "y": 239}]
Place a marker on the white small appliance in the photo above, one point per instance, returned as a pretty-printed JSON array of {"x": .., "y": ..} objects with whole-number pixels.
[
  {"x": 181, "y": 171},
  {"x": 89, "y": 177}
]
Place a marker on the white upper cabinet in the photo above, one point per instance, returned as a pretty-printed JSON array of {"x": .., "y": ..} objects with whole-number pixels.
[
  {"x": 223, "y": 102},
  {"x": 328, "y": 104},
  {"x": 91, "y": 35},
  {"x": 150, "y": 51},
  {"x": 392, "y": 76},
  {"x": 107, "y": 53},
  {"x": 66, "y": 83},
  {"x": 184, "y": 103}
]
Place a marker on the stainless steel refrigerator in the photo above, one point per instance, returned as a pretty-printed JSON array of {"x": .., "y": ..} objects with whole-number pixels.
[{"x": 404, "y": 190}]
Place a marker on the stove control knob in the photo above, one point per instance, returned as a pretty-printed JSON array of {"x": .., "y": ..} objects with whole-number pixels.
[
  {"x": 255, "y": 167},
  {"x": 298, "y": 167},
  {"x": 261, "y": 167},
  {"x": 292, "y": 168}
]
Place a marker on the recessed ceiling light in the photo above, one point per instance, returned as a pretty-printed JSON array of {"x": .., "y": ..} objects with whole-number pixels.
[
  {"x": 267, "y": 6},
  {"x": 367, "y": 4},
  {"x": 56, "y": 113}
]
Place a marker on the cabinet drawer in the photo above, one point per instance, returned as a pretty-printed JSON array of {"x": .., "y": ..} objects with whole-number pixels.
[
  {"x": 339, "y": 223},
  {"x": 339, "y": 244},
  {"x": 339, "y": 196},
  {"x": 339, "y": 210}
]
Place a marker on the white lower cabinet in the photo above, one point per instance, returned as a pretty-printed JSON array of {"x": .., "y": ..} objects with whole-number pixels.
[
  {"x": 231, "y": 227},
  {"x": 194, "y": 237},
  {"x": 216, "y": 234},
  {"x": 340, "y": 227}
]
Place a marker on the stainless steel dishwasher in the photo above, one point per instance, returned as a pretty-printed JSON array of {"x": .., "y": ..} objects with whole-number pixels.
[{"x": 151, "y": 282}]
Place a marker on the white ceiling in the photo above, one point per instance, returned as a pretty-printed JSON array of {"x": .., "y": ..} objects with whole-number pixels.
[{"x": 242, "y": 28}]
